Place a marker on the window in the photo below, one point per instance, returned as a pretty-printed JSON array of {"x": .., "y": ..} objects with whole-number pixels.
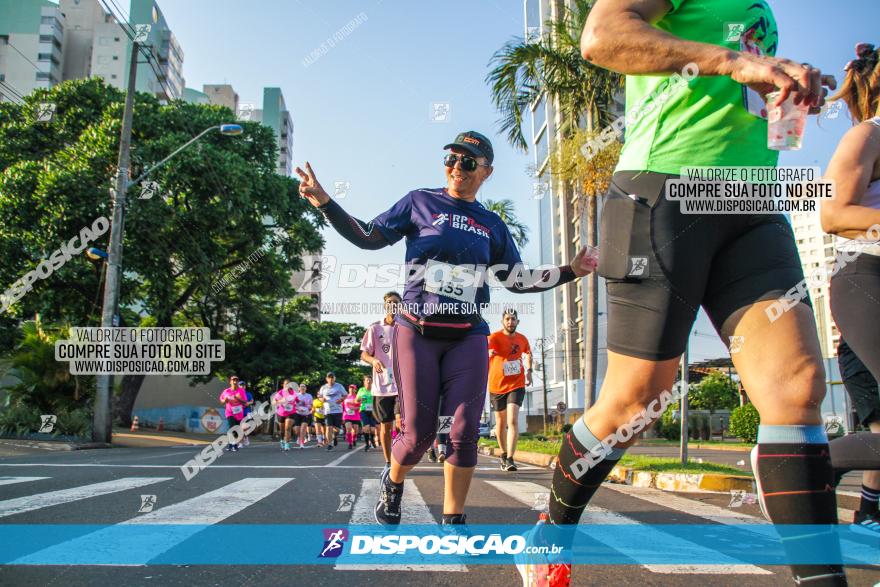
[
  {"x": 542, "y": 148},
  {"x": 42, "y": 76},
  {"x": 539, "y": 116},
  {"x": 113, "y": 76},
  {"x": 115, "y": 39},
  {"x": 44, "y": 56},
  {"x": 116, "y": 58}
]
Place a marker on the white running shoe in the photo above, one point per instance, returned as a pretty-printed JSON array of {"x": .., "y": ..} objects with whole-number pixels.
[{"x": 542, "y": 573}]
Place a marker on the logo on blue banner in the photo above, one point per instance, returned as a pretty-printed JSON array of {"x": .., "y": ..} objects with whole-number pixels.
[{"x": 334, "y": 539}]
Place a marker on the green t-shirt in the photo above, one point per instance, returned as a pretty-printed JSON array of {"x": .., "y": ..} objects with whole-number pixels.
[
  {"x": 705, "y": 121},
  {"x": 365, "y": 396}
]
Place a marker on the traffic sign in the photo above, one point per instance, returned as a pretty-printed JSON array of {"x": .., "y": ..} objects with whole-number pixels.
[{"x": 561, "y": 406}]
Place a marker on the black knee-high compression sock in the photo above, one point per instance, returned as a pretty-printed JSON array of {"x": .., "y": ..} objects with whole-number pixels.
[
  {"x": 797, "y": 485},
  {"x": 579, "y": 473}
]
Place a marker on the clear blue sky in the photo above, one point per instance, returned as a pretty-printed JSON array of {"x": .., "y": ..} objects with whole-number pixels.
[{"x": 361, "y": 111}]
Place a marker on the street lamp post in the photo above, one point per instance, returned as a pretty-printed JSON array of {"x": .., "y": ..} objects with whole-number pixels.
[{"x": 102, "y": 423}]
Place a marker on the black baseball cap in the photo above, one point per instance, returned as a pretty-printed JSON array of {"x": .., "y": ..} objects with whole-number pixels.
[
  {"x": 330, "y": 374},
  {"x": 474, "y": 143}
]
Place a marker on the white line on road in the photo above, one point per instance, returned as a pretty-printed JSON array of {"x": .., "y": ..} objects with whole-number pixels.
[
  {"x": 860, "y": 552},
  {"x": 524, "y": 492},
  {"x": 41, "y": 500},
  {"x": 415, "y": 511},
  {"x": 336, "y": 462},
  {"x": 11, "y": 480},
  {"x": 175, "y": 523}
]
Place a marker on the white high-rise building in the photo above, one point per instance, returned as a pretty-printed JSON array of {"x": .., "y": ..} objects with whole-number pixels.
[
  {"x": 43, "y": 43},
  {"x": 816, "y": 249},
  {"x": 31, "y": 47}
]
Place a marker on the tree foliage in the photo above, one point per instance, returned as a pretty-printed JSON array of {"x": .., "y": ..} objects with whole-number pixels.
[
  {"x": 716, "y": 391},
  {"x": 214, "y": 247},
  {"x": 506, "y": 210},
  {"x": 744, "y": 422},
  {"x": 525, "y": 69}
]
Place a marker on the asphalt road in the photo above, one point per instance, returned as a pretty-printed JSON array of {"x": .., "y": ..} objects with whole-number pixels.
[{"x": 306, "y": 487}]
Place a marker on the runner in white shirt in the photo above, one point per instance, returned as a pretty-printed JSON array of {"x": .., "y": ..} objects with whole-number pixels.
[
  {"x": 333, "y": 394},
  {"x": 375, "y": 351}
]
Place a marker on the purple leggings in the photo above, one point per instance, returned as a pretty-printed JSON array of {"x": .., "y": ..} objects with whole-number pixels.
[{"x": 425, "y": 368}]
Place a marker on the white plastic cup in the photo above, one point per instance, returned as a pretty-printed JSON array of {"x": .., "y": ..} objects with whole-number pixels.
[{"x": 785, "y": 123}]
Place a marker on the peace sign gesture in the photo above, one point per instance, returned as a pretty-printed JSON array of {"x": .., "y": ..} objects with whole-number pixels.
[{"x": 310, "y": 188}]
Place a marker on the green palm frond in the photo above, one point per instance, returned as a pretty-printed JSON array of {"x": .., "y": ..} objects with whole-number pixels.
[
  {"x": 521, "y": 71},
  {"x": 505, "y": 209}
]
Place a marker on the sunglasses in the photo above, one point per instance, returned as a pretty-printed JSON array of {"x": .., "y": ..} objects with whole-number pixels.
[{"x": 467, "y": 163}]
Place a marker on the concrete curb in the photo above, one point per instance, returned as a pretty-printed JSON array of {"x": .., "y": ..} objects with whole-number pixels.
[
  {"x": 530, "y": 458},
  {"x": 47, "y": 445},
  {"x": 683, "y": 482},
  {"x": 702, "y": 446}
]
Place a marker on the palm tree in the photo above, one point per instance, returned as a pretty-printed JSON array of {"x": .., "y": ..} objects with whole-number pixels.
[
  {"x": 504, "y": 209},
  {"x": 523, "y": 71}
]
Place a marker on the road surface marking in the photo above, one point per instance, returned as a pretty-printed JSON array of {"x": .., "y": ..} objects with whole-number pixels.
[
  {"x": 336, "y": 462},
  {"x": 415, "y": 511},
  {"x": 29, "y": 503},
  {"x": 524, "y": 492},
  {"x": 174, "y": 524},
  {"x": 721, "y": 515},
  {"x": 11, "y": 480}
]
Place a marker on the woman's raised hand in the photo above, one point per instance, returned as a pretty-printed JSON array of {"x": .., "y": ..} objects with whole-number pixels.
[{"x": 310, "y": 188}]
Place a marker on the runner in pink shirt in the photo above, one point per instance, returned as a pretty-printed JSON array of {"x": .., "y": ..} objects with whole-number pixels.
[
  {"x": 351, "y": 415},
  {"x": 302, "y": 405},
  {"x": 283, "y": 402},
  {"x": 236, "y": 401}
]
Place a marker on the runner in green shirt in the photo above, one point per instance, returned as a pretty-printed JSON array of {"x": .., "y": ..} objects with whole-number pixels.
[
  {"x": 368, "y": 423},
  {"x": 698, "y": 73}
]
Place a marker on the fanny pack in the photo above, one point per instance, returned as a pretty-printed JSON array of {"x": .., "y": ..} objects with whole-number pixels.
[{"x": 443, "y": 326}]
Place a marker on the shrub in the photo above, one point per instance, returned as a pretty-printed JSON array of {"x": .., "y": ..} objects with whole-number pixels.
[
  {"x": 74, "y": 423},
  {"x": 19, "y": 419},
  {"x": 668, "y": 427},
  {"x": 744, "y": 422}
]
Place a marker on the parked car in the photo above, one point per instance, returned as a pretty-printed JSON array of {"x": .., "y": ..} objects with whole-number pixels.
[{"x": 485, "y": 431}]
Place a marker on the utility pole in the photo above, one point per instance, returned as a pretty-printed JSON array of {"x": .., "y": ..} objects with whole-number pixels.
[
  {"x": 683, "y": 450},
  {"x": 103, "y": 419},
  {"x": 544, "y": 382}
]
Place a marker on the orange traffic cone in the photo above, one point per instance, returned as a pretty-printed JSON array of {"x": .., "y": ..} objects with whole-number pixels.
[
  {"x": 161, "y": 425},
  {"x": 134, "y": 424}
]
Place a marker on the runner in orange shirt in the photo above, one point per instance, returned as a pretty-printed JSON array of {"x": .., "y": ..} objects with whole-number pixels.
[{"x": 510, "y": 371}]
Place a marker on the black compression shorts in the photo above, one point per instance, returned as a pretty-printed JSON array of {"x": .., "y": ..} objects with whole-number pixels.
[{"x": 661, "y": 265}]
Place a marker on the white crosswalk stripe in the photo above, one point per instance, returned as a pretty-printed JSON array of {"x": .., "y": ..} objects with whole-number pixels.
[
  {"x": 864, "y": 554},
  {"x": 524, "y": 492},
  {"x": 30, "y": 503},
  {"x": 415, "y": 511},
  {"x": 208, "y": 508},
  {"x": 11, "y": 480}
]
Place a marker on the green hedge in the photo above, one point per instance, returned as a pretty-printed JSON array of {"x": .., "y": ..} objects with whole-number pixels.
[{"x": 744, "y": 422}]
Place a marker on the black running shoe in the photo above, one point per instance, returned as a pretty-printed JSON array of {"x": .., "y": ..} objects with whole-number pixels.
[
  {"x": 870, "y": 522},
  {"x": 335, "y": 440},
  {"x": 454, "y": 519},
  {"x": 329, "y": 447},
  {"x": 504, "y": 463},
  {"x": 511, "y": 466},
  {"x": 387, "y": 510},
  {"x": 432, "y": 455}
]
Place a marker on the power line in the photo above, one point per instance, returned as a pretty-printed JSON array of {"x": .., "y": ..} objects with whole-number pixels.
[
  {"x": 25, "y": 56},
  {"x": 12, "y": 93}
]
